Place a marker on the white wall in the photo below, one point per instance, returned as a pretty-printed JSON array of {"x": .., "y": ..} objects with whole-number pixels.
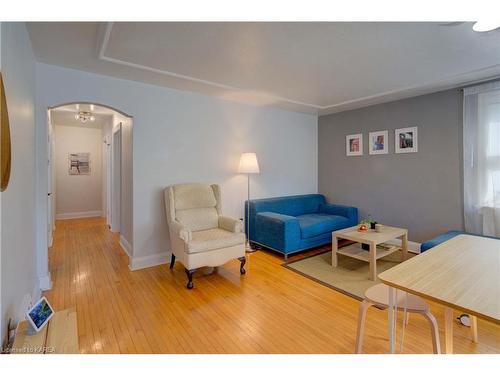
[
  {"x": 185, "y": 137},
  {"x": 106, "y": 144},
  {"x": 78, "y": 195},
  {"x": 18, "y": 258},
  {"x": 126, "y": 199}
]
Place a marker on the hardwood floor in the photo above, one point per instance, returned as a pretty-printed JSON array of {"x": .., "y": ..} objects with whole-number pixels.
[{"x": 269, "y": 310}]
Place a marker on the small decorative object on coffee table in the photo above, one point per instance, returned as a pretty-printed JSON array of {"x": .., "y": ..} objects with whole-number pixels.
[{"x": 376, "y": 241}]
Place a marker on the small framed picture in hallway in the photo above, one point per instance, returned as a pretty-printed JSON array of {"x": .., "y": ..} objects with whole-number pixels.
[{"x": 79, "y": 163}]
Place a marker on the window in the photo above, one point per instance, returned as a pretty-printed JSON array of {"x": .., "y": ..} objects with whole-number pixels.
[{"x": 482, "y": 159}]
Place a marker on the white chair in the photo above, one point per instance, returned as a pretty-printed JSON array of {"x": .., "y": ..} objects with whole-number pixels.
[
  {"x": 378, "y": 295},
  {"x": 199, "y": 235}
]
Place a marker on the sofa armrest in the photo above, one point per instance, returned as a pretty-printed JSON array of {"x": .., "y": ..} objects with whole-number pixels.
[
  {"x": 340, "y": 210},
  {"x": 276, "y": 230},
  {"x": 181, "y": 231},
  {"x": 230, "y": 224}
]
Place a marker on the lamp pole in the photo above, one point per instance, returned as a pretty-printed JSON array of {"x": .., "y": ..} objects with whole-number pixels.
[{"x": 248, "y": 165}]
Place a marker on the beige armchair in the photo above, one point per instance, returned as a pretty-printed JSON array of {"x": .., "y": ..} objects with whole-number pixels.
[{"x": 199, "y": 235}]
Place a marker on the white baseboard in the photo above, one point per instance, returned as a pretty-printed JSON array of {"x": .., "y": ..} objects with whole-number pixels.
[
  {"x": 138, "y": 263},
  {"x": 413, "y": 247},
  {"x": 126, "y": 246},
  {"x": 78, "y": 215},
  {"x": 44, "y": 282}
]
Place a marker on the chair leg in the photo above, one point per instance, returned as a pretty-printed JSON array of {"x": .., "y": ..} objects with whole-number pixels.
[
  {"x": 361, "y": 325},
  {"x": 473, "y": 327},
  {"x": 436, "y": 344},
  {"x": 242, "y": 260},
  {"x": 448, "y": 330},
  {"x": 172, "y": 261},
  {"x": 407, "y": 318},
  {"x": 189, "y": 274}
]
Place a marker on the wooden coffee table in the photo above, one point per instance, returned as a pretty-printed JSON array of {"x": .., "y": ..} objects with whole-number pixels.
[{"x": 373, "y": 239}]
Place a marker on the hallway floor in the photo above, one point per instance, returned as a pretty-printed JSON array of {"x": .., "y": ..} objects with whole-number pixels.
[{"x": 269, "y": 310}]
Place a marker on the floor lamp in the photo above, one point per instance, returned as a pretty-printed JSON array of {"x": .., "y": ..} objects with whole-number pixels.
[{"x": 248, "y": 165}]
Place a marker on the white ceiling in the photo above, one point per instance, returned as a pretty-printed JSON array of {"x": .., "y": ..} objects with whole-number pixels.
[
  {"x": 65, "y": 115},
  {"x": 307, "y": 67}
]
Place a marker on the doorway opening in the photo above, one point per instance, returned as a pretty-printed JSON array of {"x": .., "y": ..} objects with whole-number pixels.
[{"x": 90, "y": 167}]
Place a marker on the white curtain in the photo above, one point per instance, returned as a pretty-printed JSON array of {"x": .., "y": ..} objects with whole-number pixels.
[{"x": 481, "y": 139}]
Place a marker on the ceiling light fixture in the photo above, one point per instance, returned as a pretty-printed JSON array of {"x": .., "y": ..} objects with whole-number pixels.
[
  {"x": 484, "y": 26},
  {"x": 84, "y": 116}
]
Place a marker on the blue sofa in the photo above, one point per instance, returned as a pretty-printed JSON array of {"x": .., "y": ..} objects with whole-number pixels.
[
  {"x": 444, "y": 237},
  {"x": 296, "y": 223}
]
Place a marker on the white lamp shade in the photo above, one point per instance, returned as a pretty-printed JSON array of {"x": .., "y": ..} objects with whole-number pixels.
[{"x": 248, "y": 163}]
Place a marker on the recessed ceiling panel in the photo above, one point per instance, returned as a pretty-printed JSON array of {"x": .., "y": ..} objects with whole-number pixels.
[{"x": 309, "y": 67}]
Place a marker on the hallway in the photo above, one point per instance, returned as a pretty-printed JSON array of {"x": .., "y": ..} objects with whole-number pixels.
[{"x": 269, "y": 310}]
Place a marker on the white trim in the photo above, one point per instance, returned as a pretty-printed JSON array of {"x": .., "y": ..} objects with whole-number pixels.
[
  {"x": 453, "y": 81},
  {"x": 149, "y": 260},
  {"x": 44, "y": 282},
  {"x": 78, "y": 215},
  {"x": 126, "y": 246},
  {"x": 413, "y": 247},
  {"x": 104, "y": 44}
]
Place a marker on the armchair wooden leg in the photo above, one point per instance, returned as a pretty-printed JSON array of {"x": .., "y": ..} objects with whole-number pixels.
[
  {"x": 189, "y": 274},
  {"x": 172, "y": 261},
  {"x": 242, "y": 260}
]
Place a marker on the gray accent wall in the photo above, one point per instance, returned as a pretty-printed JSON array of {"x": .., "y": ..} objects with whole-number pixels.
[{"x": 420, "y": 191}]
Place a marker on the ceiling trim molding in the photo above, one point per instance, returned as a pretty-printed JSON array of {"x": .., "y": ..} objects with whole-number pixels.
[
  {"x": 454, "y": 81},
  {"x": 104, "y": 40}
]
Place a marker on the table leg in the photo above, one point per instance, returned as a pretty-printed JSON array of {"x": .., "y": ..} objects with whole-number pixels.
[
  {"x": 373, "y": 261},
  {"x": 334, "y": 250},
  {"x": 392, "y": 320},
  {"x": 448, "y": 330},
  {"x": 473, "y": 326},
  {"x": 404, "y": 247}
]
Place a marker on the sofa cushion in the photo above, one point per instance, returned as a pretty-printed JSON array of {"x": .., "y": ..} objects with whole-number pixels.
[
  {"x": 292, "y": 205},
  {"x": 312, "y": 225},
  {"x": 212, "y": 239}
]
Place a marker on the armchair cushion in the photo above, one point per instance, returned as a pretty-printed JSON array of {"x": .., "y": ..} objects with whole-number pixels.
[
  {"x": 199, "y": 218},
  {"x": 230, "y": 224},
  {"x": 189, "y": 196},
  {"x": 312, "y": 225},
  {"x": 212, "y": 239}
]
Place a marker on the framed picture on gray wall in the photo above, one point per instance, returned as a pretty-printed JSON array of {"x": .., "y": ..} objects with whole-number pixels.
[
  {"x": 378, "y": 142},
  {"x": 354, "y": 144},
  {"x": 406, "y": 140}
]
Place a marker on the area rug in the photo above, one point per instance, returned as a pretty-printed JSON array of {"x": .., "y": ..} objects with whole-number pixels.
[{"x": 349, "y": 277}]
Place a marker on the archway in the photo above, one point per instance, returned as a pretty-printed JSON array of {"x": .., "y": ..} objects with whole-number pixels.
[{"x": 112, "y": 162}]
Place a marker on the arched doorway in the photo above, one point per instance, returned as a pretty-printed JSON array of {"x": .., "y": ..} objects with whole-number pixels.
[{"x": 95, "y": 149}]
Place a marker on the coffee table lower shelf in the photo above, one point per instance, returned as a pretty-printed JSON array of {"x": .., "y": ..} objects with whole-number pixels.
[{"x": 355, "y": 251}]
